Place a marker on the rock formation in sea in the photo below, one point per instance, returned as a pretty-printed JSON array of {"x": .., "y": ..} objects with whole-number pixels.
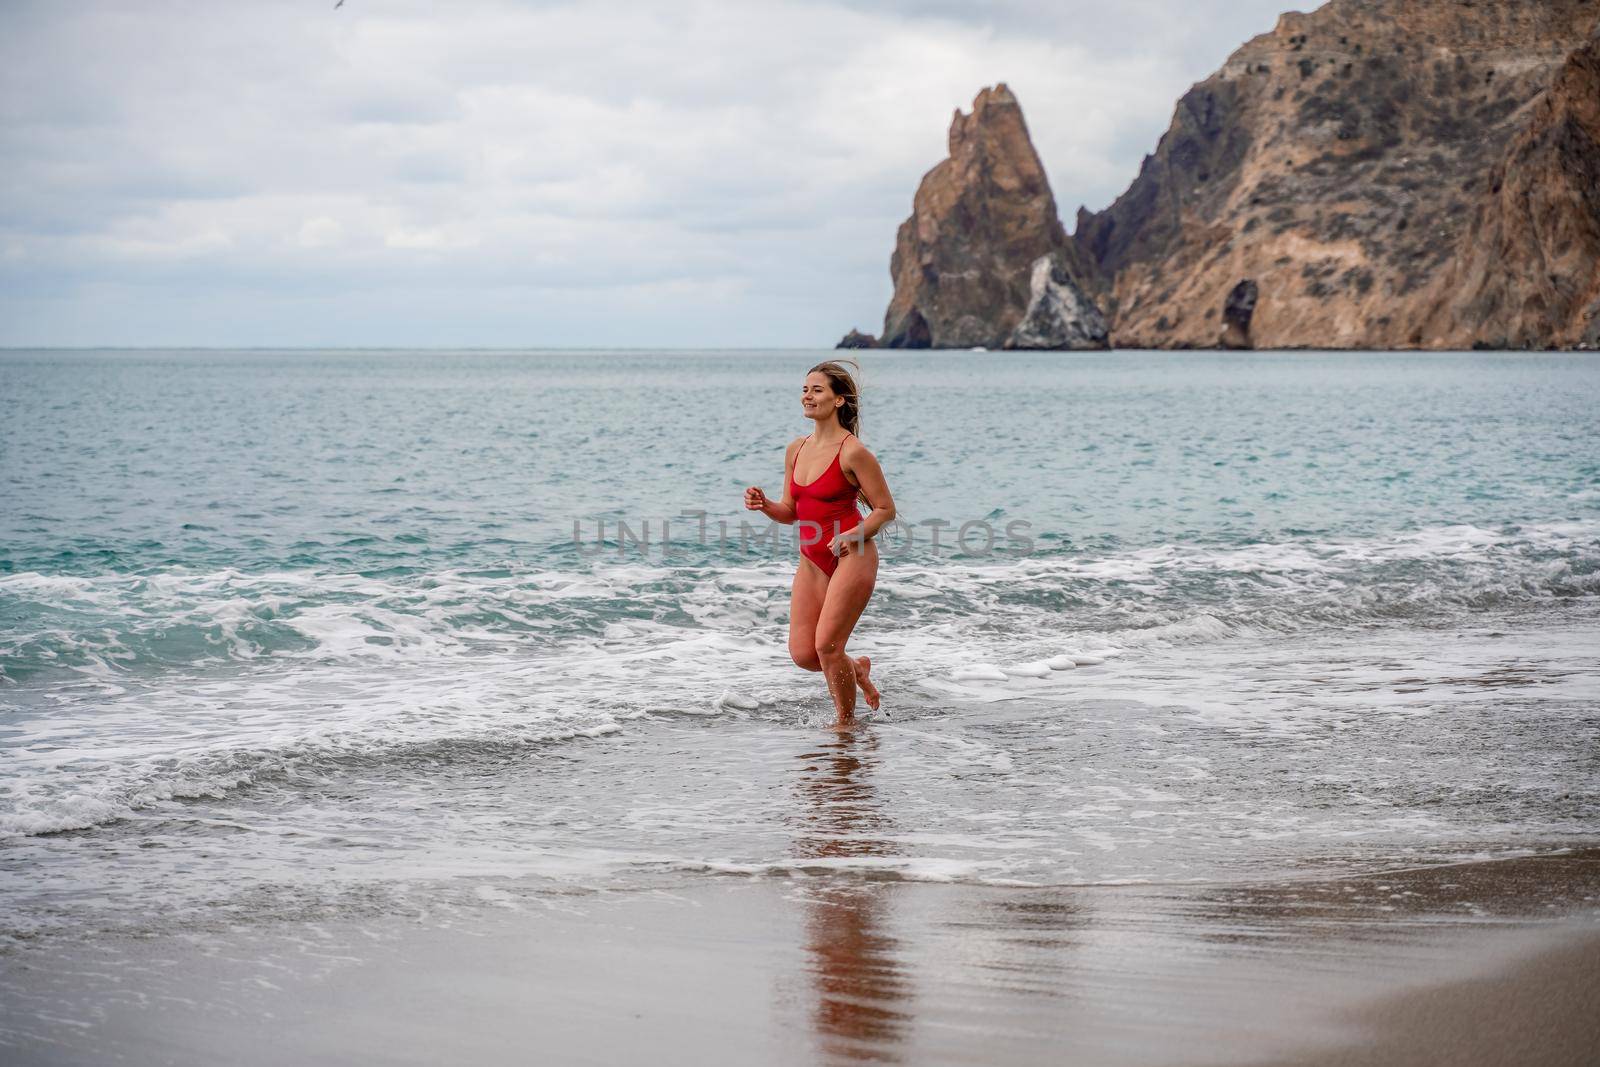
[
  {"x": 964, "y": 262},
  {"x": 1384, "y": 174},
  {"x": 1374, "y": 174}
]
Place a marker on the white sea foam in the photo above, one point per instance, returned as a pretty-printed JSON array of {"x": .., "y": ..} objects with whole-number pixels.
[
  {"x": 1034, "y": 669},
  {"x": 116, "y": 623},
  {"x": 1054, "y": 720}
]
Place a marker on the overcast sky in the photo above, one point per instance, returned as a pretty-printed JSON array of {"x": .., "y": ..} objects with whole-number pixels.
[{"x": 481, "y": 173}]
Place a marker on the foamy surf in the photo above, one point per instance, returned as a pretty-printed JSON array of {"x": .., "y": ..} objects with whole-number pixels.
[{"x": 112, "y": 624}]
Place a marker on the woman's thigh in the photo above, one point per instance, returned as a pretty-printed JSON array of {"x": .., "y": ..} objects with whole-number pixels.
[
  {"x": 805, "y": 605},
  {"x": 848, "y": 592}
]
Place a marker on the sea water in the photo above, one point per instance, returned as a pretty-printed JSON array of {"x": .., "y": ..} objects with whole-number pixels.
[{"x": 322, "y": 633}]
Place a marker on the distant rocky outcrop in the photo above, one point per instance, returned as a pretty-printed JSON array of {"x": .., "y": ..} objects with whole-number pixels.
[
  {"x": 857, "y": 339},
  {"x": 1387, "y": 173},
  {"x": 1374, "y": 174},
  {"x": 963, "y": 263}
]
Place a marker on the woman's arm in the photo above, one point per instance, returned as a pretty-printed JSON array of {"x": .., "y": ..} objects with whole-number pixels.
[
  {"x": 780, "y": 511},
  {"x": 869, "y": 478}
]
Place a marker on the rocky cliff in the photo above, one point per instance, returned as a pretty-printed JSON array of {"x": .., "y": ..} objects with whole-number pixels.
[
  {"x": 1527, "y": 274},
  {"x": 964, "y": 263},
  {"x": 1376, "y": 174}
]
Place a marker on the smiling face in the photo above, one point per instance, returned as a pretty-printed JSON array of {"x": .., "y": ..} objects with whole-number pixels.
[{"x": 817, "y": 398}]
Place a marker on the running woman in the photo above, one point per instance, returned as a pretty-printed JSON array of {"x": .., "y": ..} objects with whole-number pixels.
[{"x": 824, "y": 475}]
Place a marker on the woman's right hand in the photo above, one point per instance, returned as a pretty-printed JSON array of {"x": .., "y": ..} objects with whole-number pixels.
[{"x": 755, "y": 499}]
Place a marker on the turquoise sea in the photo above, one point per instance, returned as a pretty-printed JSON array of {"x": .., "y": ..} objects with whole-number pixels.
[{"x": 305, "y": 633}]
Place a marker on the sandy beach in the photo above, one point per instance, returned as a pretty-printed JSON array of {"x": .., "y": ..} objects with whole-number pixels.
[
  {"x": 1467, "y": 964},
  {"x": 1541, "y": 1009}
]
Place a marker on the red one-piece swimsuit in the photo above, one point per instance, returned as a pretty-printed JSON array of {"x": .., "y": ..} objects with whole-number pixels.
[{"x": 830, "y": 502}]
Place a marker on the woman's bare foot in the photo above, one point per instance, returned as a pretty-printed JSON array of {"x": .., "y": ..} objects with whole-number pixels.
[{"x": 864, "y": 680}]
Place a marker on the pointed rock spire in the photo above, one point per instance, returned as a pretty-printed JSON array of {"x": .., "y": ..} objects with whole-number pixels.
[{"x": 963, "y": 263}]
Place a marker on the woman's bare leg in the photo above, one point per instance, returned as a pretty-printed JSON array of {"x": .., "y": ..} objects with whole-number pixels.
[
  {"x": 805, "y": 604},
  {"x": 848, "y": 592}
]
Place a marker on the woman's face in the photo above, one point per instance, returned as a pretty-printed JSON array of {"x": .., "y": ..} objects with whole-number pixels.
[{"x": 817, "y": 398}]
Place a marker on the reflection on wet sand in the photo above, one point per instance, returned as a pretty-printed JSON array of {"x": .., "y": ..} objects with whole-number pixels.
[
  {"x": 1034, "y": 937},
  {"x": 855, "y": 966},
  {"x": 1131, "y": 974}
]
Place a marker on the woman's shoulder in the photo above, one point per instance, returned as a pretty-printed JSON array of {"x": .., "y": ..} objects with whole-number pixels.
[
  {"x": 853, "y": 446},
  {"x": 853, "y": 453}
]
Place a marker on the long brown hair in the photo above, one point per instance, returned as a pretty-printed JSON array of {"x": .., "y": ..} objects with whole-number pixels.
[{"x": 844, "y": 384}]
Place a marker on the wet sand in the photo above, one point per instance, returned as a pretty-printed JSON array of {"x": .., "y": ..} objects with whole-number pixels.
[
  {"x": 1540, "y": 1010},
  {"x": 1471, "y": 964}
]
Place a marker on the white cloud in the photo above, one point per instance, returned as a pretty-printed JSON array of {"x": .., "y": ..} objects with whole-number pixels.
[
  {"x": 529, "y": 173},
  {"x": 433, "y": 238},
  {"x": 320, "y": 232}
]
